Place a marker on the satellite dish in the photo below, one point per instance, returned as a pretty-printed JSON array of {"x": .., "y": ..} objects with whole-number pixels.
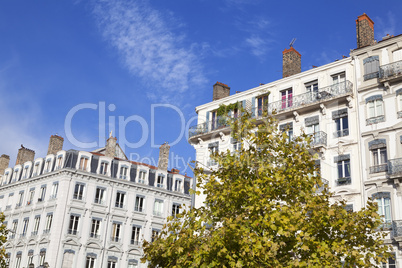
[{"x": 292, "y": 42}]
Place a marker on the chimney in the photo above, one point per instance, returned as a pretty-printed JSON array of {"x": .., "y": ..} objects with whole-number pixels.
[
  {"x": 55, "y": 144},
  {"x": 24, "y": 155},
  {"x": 220, "y": 90},
  {"x": 111, "y": 147},
  {"x": 291, "y": 63},
  {"x": 4, "y": 161},
  {"x": 364, "y": 31},
  {"x": 163, "y": 156}
]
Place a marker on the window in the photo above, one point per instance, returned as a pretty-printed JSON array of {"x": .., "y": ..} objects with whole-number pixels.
[
  {"x": 399, "y": 101},
  {"x": 313, "y": 129},
  {"x": 375, "y": 110},
  {"x": 378, "y": 149},
  {"x": 159, "y": 182},
  {"x": 123, "y": 172},
  {"x": 177, "y": 185},
  {"x": 158, "y": 207},
  {"x": 111, "y": 264},
  {"x": 30, "y": 257},
  {"x": 103, "y": 168},
  {"x": 383, "y": 200},
  {"x": 155, "y": 234},
  {"x": 59, "y": 162},
  {"x": 42, "y": 256},
  {"x": 83, "y": 163},
  {"x": 132, "y": 263},
  {"x": 25, "y": 173},
  {"x": 14, "y": 226},
  {"x": 214, "y": 122},
  {"x": 90, "y": 263},
  {"x": 36, "y": 169},
  {"x": 95, "y": 228},
  {"x": 338, "y": 78},
  {"x": 175, "y": 209},
  {"x": 120, "y": 199},
  {"x": 55, "y": 188},
  {"x": 371, "y": 67},
  {"x": 213, "y": 149},
  {"x": 116, "y": 227},
  {"x": 236, "y": 145},
  {"x": 18, "y": 261},
  {"x": 42, "y": 193},
  {"x": 49, "y": 219},
  {"x": 135, "y": 235},
  {"x": 312, "y": 89},
  {"x": 262, "y": 105},
  {"x": 36, "y": 226},
  {"x": 47, "y": 166},
  {"x": 25, "y": 227},
  {"x": 99, "y": 195},
  {"x": 340, "y": 118},
  {"x": 343, "y": 164},
  {"x": 78, "y": 191},
  {"x": 141, "y": 176},
  {"x": 20, "y": 199},
  {"x": 286, "y": 97},
  {"x": 391, "y": 263},
  {"x": 31, "y": 196},
  {"x": 288, "y": 128},
  {"x": 15, "y": 175},
  {"x": 139, "y": 203},
  {"x": 73, "y": 226}
]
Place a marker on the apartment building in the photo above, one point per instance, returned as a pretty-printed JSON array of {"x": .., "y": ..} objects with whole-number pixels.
[
  {"x": 86, "y": 209},
  {"x": 352, "y": 107}
]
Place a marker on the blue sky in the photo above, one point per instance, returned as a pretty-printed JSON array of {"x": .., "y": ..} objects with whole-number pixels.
[{"x": 140, "y": 68}]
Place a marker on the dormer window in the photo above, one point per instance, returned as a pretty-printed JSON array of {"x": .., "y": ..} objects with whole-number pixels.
[
  {"x": 123, "y": 172},
  {"x": 160, "y": 181},
  {"x": 36, "y": 169},
  {"x": 83, "y": 163},
  {"x": 177, "y": 186},
  {"x": 141, "y": 176},
  {"x": 103, "y": 168},
  {"x": 59, "y": 162},
  {"x": 48, "y": 166},
  {"x": 15, "y": 175},
  {"x": 25, "y": 173}
]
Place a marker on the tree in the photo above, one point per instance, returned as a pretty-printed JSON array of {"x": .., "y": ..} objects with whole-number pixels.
[
  {"x": 3, "y": 240},
  {"x": 264, "y": 209}
]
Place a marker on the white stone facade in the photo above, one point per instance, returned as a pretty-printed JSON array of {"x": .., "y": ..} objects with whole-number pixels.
[{"x": 82, "y": 209}]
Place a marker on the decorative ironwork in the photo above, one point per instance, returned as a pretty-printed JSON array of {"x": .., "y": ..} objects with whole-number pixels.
[
  {"x": 341, "y": 133},
  {"x": 344, "y": 181},
  {"x": 399, "y": 114},
  {"x": 319, "y": 138},
  {"x": 371, "y": 76},
  {"x": 378, "y": 168},
  {"x": 390, "y": 70},
  {"x": 375, "y": 120},
  {"x": 397, "y": 228},
  {"x": 395, "y": 166},
  {"x": 220, "y": 122}
]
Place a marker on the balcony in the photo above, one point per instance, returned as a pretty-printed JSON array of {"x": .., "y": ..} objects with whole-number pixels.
[
  {"x": 390, "y": 72},
  {"x": 341, "y": 133},
  {"x": 395, "y": 167},
  {"x": 319, "y": 139},
  {"x": 378, "y": 168},
  {"x": 282, "y": 106},
  {"x": 343, "y": 181}
]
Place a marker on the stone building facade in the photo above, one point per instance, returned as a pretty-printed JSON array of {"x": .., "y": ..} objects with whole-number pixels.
[{"x": 85, "y": 209}]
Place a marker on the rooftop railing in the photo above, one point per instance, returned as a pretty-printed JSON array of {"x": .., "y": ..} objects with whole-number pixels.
[{"x": 390, "y": 71}]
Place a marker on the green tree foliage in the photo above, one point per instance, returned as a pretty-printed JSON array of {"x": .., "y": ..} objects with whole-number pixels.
[
  {"x": 263, "y": 209},
  {"x": 3, "y": 240}
]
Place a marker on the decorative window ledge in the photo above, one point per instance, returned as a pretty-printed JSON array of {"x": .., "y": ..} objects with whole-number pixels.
[
  {"x": 344, "y": 181},
  {"x": 375, "y": 120},
  {"x": 379, "y": 168}
]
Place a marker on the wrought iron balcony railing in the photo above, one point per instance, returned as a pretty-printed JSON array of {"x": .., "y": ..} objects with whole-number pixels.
[
  {"x": 390, "y": 71},
  {"x": 319, "y": 139},
  {"x": 397, "y": 228},
  {"x": 395, "y": 166},
  {"x": 370, "y": 76},
  {"x": 341, "y": 133},
  {"x": 294, "y": 102},
  {"x": 72, "y": 232},
  {"x": 343, "y": 181},
  {"x": 378, "y": 168},
  {"x": 375, "y": 120}
]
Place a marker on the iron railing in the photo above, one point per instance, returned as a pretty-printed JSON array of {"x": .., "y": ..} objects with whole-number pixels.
[
  {"x": 390, "y": 70},
  {"x": 370, "y": 76},
  {"x": 375, "y": 120},
  {"x": 341, "y": 133},
  {"x": 378, "y": 168},
  {"x": 397, "y": 228},
  {"x": 395, "y": 166},
  {"x": 344, "y": 181},
  {"x": 294, "y": 102},
  {"x": 319, "y": 138}
]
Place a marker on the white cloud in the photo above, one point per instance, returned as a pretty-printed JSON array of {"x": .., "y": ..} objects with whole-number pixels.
[
  {"x": 149, "y": 47},
  {"x": 384, "y": 26},
  {"x": 257, "y": 44}
]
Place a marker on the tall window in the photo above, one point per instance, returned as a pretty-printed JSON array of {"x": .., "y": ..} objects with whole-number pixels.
[
  {"x": 25, "y": 227},
  {"x": 155, "y": 234},
  {"x": 139, "y": 203},
  {"x": 160, "y": 181},
  {"x": 55, "y": 188},
  {"x": 177, "y": 185},
  {"x": 378, "y": 149},
  {"x": 383, "y": 200},
  {"x": 73, "y": 226},
  {"x": 340, "y": 118},
  {"x": 236, "y": 145},
  {"x": 123, "y": 172},
  {"x": 42, "y": 193},
  {"x": 36, "y": 226},
  {"x": 14, "y": 228},
  {"x": 375, "y": 109},
  {"x": 214, "y": 122},
  {"x": 135, "y": 235},
  {"x": 48, "y": 166},
  {"x": 59, "y": 162},
  {"x": 95, "y": 228},
  {"x": 116, "y": 228},
  {"x": 35, "y": 169},
  {"x": 48, "y": 225},
  {"x": 286, "y": 98},
  {"x": 213, "y": 149},
  {"x": 262, "y": 104},
  {"x": 312, "y": 89},
  {"x": 132, "y": 264},
  {"x": 18, "y": 261},
  {"x": 42, "y": 256},
  {"x": 111, "y": 264},
  {"x": 120, "y": 199},
  {"x": 313, "y": 128},
  {"x": 83, "y": 163},
  {"x": 99, "y": 195},
  {"x": 158, "y": 207},
  {"x": 30, "y": 257},
  {"x": 90, "y": 262},
  {"x": 15, "y": 175},
  {"x": 103, "y": 168},
  {"x": 20, "y": 198},
  {"x": 175, "y": 209},
  {"x": 343, "y": 164},
  {"x": 25, "y": 173},
  {"x": 141, "y": 176},
  {"x": 31, "y": 196},
  {"x": 338, "y": 78},
  {"x": 78, "y": 191},
  {"x": 288, "y": 128},
  {"x": 371, "y": 67},
  {"x": 399, "y": 101},
  {"x": 391, "y": 263}
]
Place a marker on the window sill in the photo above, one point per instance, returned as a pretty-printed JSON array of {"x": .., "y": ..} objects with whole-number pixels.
[{"x": 375, "y": 120}]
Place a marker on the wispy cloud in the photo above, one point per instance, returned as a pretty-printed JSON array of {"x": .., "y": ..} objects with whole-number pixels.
[
  {"x": 384, "y": 26},
  {"x": 149, "y": 47},
  {"x": 259, "y": 40}
]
